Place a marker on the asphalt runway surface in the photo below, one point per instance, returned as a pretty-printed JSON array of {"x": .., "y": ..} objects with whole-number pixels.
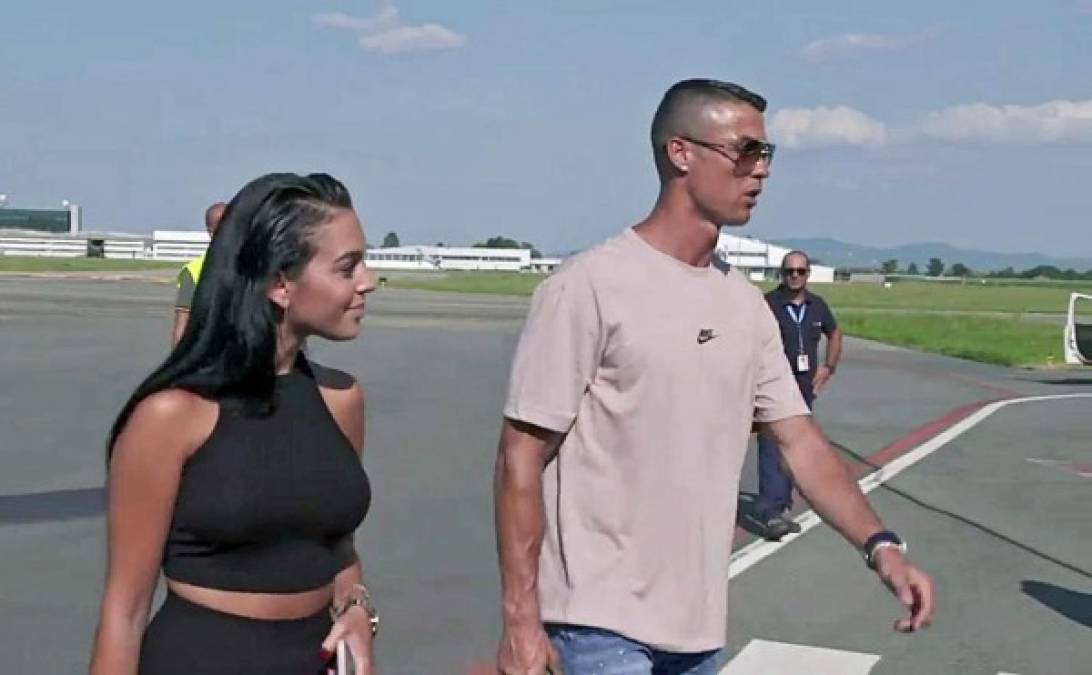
[{"x": 998, "y": 514}]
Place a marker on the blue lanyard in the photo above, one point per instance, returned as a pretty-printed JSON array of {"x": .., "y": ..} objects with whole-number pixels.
[{"x": 798, "y": 319}]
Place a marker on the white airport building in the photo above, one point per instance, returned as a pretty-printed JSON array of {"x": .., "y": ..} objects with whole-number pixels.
[
  {"x": 760, "y": 260},
  {"x": 446, "y": 258},
  {"x": 188, "y": 244},
  {"x": 185, "y": 245}
]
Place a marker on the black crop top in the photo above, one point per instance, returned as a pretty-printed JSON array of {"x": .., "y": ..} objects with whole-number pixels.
[{"x": 269, "y": 504}]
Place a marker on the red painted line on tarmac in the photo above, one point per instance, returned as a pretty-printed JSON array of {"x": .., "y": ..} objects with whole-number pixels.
[
  {"x": 923, "y": 433},
  {"x": 1084, "y": 469},
  {"x": 892, "y": 451}
]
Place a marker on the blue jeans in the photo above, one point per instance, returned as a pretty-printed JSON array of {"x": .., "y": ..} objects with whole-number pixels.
[
  {"x": 774, "y": 483},
  {"x": 594, "y": 651}
]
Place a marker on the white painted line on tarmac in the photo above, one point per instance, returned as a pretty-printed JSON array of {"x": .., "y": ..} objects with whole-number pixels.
[
  {"x": 1068, "y": 466},
  {"x": 762, "y": 657},
  {"x": 765, "y": 657},
  {"x": 759, "y": 550},
  {"x": 772, "y": 658}
]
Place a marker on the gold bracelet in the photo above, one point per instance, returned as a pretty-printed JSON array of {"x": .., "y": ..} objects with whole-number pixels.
[{"x": 357, "y": 597}]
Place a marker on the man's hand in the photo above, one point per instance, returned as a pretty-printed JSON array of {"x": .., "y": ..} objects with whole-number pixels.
[
  {"x": 911, "y": 586},
  {"x": 822, "y": 374},
  {"x": 526, "y": 650}
]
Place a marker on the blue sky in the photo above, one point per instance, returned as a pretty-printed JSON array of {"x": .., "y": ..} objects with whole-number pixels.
[{"x": 968, "y": 123}]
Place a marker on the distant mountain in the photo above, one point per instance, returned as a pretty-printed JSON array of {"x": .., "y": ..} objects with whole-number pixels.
[{"x": 842, "y": 254}]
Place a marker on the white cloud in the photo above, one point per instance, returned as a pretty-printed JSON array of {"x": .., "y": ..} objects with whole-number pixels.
[
  {"x": 412, "y": 38},
  {"x": 386, "y": 34},
  {"x": 853, "y": 43},
  {"x": 824, "y": 127},
  {"x": 385, "y": 20},
  {"x": 1052, "y": 121}
]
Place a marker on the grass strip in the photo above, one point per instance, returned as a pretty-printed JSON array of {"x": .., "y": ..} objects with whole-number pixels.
[
  {"x": 11, "y": 263},
  {"x": 1006, "y": 341}
]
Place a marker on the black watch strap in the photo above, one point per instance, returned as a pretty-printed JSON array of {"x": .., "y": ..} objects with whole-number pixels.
[{"x": 881, "y": 539}]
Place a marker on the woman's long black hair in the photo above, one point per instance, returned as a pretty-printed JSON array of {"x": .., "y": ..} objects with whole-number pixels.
[{"x": 229, "y": 347}]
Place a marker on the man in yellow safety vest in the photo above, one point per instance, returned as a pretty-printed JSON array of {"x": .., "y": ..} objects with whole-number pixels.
[{"x": 191, "y": 274}]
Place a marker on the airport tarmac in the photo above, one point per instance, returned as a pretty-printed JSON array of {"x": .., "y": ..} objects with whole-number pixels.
[{"x": 998, "y": 514}]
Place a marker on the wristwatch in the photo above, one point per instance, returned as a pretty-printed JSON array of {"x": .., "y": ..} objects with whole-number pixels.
[{"x": 880, "y": 540}]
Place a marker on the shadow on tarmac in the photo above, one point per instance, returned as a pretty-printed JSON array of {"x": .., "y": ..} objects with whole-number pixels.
[
  {"x": 1065, "y": 381},
  {"x": 52, "y": 506},
  {"x": 1073, "y": 605}
]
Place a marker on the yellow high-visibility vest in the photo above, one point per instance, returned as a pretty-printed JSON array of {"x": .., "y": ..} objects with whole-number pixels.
[{"x": 194, "y": 268}]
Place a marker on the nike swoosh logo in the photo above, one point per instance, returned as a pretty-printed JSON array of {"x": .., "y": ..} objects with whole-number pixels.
[{"x": 705, "y": 335}]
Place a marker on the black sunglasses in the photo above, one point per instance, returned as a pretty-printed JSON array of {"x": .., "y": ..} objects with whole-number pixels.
[
  {"x": 791, "y": 271},
  {"x": 747, "y": 149}
]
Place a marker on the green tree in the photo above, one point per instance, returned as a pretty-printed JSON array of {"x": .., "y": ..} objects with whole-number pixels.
[
  {"x": 912, "y": 268},
  {"x": 391, "y": 240},
  {"x": 890, "y": 266},
  {"x": 1045, "y": 271},
  {"x": 505, "y": 242},
  {"x": 960, "y": 270},
  {"x": 935, "y": 268}
]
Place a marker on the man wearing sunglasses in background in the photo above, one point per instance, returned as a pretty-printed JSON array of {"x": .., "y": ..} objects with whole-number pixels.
[
  {"x": 803, "y": 317},
  {"x": 641, "y": 367}
]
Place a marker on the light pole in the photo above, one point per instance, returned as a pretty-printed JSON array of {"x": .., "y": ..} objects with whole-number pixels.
[{"x": 3, "y": 201}]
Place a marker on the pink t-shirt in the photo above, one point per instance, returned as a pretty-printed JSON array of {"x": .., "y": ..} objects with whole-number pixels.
[{"x": 655, "y": 369}]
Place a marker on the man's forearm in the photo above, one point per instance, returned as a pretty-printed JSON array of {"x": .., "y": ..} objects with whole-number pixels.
[
  {"x": 825, "y": 481},
  {"x": 834, "y": 349},
  {"x": 520, "y": 523},
  {"x": 181, "y": 318}
]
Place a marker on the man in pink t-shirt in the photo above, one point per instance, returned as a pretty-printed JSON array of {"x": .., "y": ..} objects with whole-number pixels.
[{"x": 641, "y": 367}]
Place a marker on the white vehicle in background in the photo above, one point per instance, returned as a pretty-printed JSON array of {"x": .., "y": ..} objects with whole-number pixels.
[{"x": 1078, "y": 333}]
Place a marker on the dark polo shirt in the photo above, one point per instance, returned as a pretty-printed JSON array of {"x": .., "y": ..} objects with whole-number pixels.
[{"x": 818, "y": 321}]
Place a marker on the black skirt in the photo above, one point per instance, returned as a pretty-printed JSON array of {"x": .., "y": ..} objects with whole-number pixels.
[{"x": 188, "y": 639}]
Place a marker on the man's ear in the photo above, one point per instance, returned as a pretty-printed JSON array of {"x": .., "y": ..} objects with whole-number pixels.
[
  {"x": 278, "y": 292},
  {"x": 678, "y": 154}
]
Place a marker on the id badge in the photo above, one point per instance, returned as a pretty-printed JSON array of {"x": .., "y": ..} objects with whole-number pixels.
[{"x": 802, "y": 365}]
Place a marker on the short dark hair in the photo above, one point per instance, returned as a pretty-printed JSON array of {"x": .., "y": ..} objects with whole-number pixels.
[
  {"x": 785, "y": 258},
  {"x": 676, "y": 113}
]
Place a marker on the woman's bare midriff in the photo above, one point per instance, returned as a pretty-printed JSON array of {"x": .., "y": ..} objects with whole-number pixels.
[{"x": 267, "y": 606}]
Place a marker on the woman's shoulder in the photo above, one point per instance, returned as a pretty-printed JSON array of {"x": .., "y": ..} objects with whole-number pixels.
[
  {"x": 331, "y": 378},
  {"x": 336, "y": 385},
  {"x": 172, "y": 418},
  {"x": 171, "y": 404},
  {"x": 344, "y": 397}
]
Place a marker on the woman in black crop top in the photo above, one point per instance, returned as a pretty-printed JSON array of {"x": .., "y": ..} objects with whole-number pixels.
[{"x": 235, "y": 467}]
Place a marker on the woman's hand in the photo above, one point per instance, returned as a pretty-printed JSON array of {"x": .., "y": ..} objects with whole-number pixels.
[{"x": 355, "y": 628}]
